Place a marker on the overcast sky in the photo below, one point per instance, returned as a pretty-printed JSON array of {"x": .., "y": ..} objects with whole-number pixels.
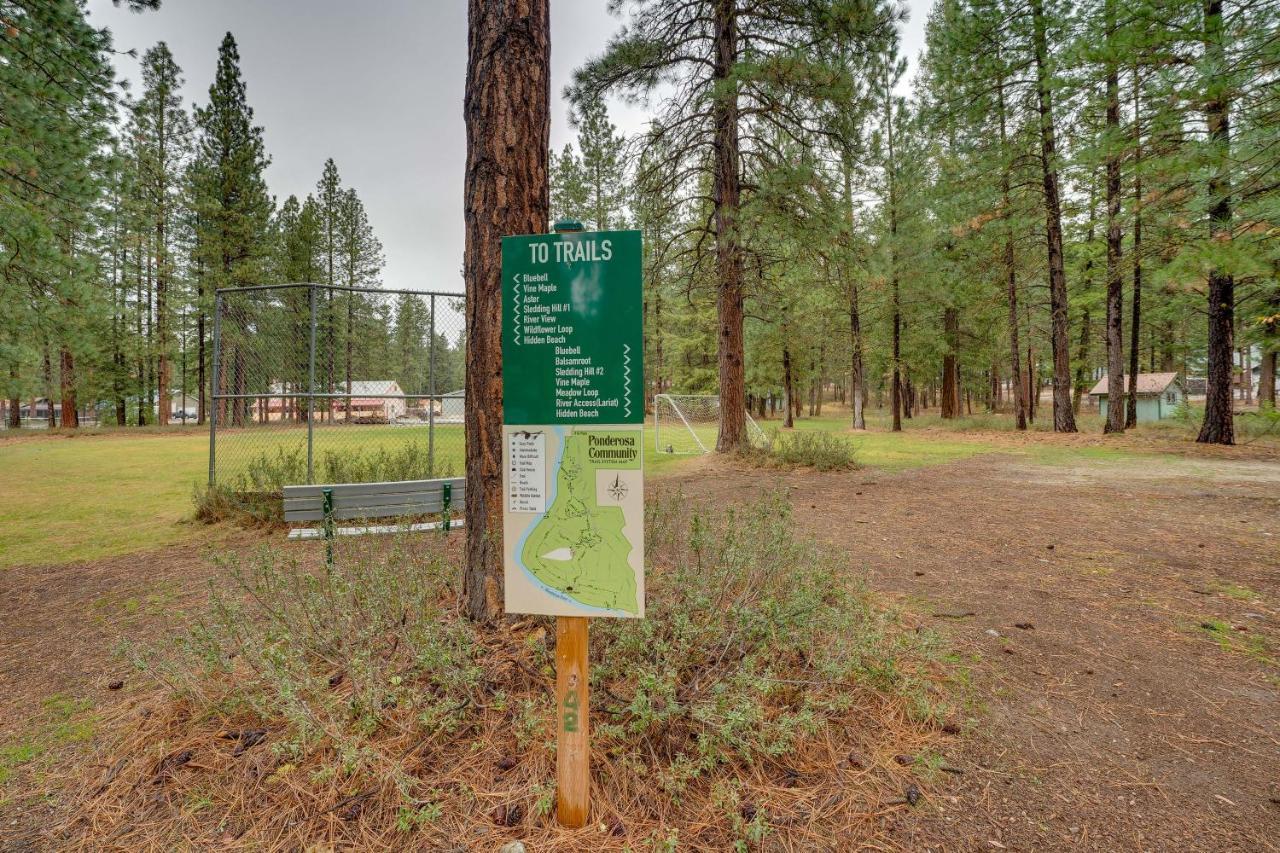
[{"x": 377, "y": 86}]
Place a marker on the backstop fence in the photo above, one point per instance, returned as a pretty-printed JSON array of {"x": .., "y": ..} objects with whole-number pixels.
[{"x": 314, "y": 383}]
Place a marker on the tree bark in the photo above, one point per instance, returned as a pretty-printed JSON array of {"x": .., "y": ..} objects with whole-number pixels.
[
  {"x": 788, "y": 388},
  {"x": 1011, "y": 275},
  {"x": 950, "y": 368},
  {"x": 15, "y": 402},
  {"x": 1063, "y": 420},
  {"x": 727, "y": 198},
  {"x": 1082, "y": 359},
  {"x": 857, "y": 377},
  {"x": 163, "y": 368},
  {"x": 1135, "y": 317},
  {"x": 202, "y": 360},
  {"x": 507, "y": 108},
  {"x": 67, "y": 377},
  {"x": 1115, "y": 276},
  {"x": 1270, "y": 345},
  {"x": 820, "y": 382},
  {"x": 893, "y": 268},
  {"x": 1267, "y": 380},
  {"x": 657, "y": 343},
  {"x": 1218, "y": 426}
]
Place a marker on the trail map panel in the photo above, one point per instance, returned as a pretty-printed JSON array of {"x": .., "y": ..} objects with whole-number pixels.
[{"x": 573, "y": 415}]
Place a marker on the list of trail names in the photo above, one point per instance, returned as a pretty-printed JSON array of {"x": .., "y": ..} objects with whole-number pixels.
[
  {"x": 573, "y": 424},
  {"x": 571, "y": 328}
]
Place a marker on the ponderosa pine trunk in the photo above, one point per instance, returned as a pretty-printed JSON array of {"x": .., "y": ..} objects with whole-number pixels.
[
  {"x": 892, "y": 171},
  {"x": 1218, "y": 427},
  {"x": 896, "y": 366},
  {"x": 1267, "y": 377},
  {"x": 507, "y": 110},
  {"x": 857, "y": 377},
  {"x": 1135, "y": 316},
  {"x": 15, "y": 402},
  {"x": 1270, "y": 343},
  {"x": 1115, "y": 276},
  {"x": 950, "y": 365},
  {"x": 202, "y": 360},
  {"x": 727, "y": 194},
  {"x": 1063, "y": 419},
  {"x": 788, "y": 389},
  {"x": 67, "y": 376},
  {"x": 163, "y": 368},
  {"x": 1010, "y": 274},
  {"x": 819, "y": 379},
  {"x": 350, "y": 342},
  {"x": 1267, "y": 380},
  {"x": 1082, "y": 360}
]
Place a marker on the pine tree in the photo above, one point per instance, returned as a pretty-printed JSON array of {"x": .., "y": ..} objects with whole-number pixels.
[
  {"x": 360, "y": 266},
  {"x": 569, "y": 191},
  {"x": 763, "y": 66},
  {"x": 160, "y": 136},
  {"x": 507, "y": 113},
  {"x": 56, "y": 99},
  {"x": 233, "y": 207},
  {"x": 328, "y": 203}
]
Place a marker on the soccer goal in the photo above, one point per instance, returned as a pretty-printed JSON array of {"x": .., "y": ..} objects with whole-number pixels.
[{"x": 690, "y": 423}]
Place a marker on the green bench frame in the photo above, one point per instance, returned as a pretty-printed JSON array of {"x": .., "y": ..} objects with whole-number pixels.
[{"x": 331, "y": 503}]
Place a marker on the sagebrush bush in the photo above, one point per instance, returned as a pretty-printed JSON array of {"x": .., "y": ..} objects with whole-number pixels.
[
  {"x": 751, "y": 640},
  {"x": 757, "y": 653},
  {"x": 817, "y": 449}
]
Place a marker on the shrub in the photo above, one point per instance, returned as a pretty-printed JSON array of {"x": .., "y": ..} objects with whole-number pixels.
[
  {"x": 750, "y": 644},
  {"x": 818, "y": 449},
  {"x": 255, "y": 493},
  {"x": 760, "y": 659}
]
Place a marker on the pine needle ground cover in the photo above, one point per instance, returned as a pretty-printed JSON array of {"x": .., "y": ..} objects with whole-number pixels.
[{"x": 767, "y": 698}]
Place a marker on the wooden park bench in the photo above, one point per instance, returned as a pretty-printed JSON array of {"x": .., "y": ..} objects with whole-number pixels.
[{"x": 329, "y": 504}]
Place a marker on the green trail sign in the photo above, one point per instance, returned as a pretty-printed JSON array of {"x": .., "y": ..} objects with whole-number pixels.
[
  {"x": 573, "y": 415},
  {"x": 571, "y": 329}
]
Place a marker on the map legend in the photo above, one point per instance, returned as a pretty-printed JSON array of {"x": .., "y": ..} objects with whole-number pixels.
[{"x": 527, "y": 472}]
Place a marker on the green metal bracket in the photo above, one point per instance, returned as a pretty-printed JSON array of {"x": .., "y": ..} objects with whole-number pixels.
[
  {"x": 446, "y": 494},
  {"x": 328, "y": 526},
  {"x": 567, "y": 226}
]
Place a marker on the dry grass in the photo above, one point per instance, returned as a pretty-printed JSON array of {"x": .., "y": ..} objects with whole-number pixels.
[
  {"x": 798, "y": 730},
  {"x": 846, "y": 785}
]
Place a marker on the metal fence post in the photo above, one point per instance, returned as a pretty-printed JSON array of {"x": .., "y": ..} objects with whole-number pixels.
[
  {"x": 431, "y": 389},
  {"x": 213, "y": 387},
  {"x": 311, "y": 393}
]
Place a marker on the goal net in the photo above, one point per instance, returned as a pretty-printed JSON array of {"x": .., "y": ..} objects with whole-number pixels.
[{"x": 690, "y": 423}]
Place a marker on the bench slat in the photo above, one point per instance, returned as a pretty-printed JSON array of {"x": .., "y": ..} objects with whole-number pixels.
[
  {"x": 371, "y": 488},
  {"x": 435, "y": 496},
  {"x": 364, "y": 512}
]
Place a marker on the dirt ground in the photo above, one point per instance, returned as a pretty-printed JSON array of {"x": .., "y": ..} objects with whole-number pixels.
[
  {"x": 1123, "y": 625},
  {"x": 1121, "y": 620}
]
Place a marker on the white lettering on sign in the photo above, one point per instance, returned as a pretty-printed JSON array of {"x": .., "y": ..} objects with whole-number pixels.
[{"x": 527, "y": 483}]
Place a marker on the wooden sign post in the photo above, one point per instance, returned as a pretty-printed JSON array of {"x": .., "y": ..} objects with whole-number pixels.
[
  {"x": 573, "y": 738},
  {"x": 572, "y": 458}
]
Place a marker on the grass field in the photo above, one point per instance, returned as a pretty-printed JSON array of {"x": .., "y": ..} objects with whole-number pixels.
[{"x": 66, "y": 498}]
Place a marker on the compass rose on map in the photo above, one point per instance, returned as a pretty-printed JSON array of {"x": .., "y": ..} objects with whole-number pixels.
[{"x": 618, "y": 488}]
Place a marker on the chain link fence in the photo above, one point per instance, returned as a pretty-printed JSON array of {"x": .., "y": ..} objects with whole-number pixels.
[{"x": 326, "y": 384}]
